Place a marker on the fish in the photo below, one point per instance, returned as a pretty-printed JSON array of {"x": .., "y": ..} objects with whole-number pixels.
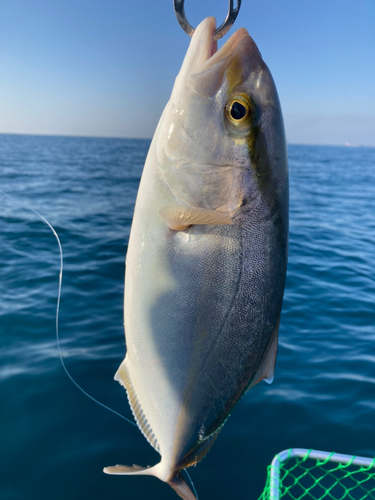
[{"x": 207, "y": 254}]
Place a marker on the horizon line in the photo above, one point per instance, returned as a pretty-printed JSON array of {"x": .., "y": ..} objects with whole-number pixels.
[{"x": 345, "y": 144}]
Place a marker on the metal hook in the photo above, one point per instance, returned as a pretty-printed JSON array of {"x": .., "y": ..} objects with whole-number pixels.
[{"x": 220, "y": 31}]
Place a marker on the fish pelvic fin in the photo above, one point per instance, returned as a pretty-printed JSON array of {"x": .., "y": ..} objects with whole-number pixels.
[
  {"x": 176, "y": 482},
  {"x": 179, "y": 218},
  {"x": 122, "y": 375}
]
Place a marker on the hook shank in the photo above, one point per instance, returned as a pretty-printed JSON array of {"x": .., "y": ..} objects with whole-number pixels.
[{"x": 220, "y": 31}]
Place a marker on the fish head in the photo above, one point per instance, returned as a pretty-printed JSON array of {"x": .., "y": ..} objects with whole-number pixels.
[{"x": 222, "y": 134}]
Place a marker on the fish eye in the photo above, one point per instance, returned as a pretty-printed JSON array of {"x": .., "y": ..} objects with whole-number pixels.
[{"x": 238, "y": 109}]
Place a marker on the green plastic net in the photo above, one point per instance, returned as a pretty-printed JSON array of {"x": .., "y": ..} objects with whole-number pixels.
[{"x": 300, "y": 474}]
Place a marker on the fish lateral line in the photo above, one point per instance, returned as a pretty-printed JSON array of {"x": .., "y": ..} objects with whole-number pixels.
[{"x": 25, "y": 206}]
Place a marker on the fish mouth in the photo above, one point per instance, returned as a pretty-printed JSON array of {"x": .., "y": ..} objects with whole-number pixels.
[
  {"x": 209, "y": 54},
  {"x": 207, "y": 64}
]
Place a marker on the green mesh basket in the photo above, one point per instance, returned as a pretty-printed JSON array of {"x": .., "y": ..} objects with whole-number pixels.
[{"x": 316, "y": 475}]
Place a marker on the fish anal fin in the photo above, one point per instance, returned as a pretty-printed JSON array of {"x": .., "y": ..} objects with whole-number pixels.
[
  {"x": 179, "y": 218},
  {"x": 122, "y": 375},
  {"x": 266, "y": 369}
]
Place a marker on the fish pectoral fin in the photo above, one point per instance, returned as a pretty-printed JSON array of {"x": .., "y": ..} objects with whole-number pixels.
[
  {"x": 266, "y": 369},
  {"x": 178, "y": 217}
]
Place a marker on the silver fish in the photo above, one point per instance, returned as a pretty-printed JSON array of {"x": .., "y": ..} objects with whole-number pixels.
[{"x": 207, "y": 255}]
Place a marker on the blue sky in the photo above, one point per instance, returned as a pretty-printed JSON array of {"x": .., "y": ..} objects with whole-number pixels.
[{"x": 106, "y": 68}]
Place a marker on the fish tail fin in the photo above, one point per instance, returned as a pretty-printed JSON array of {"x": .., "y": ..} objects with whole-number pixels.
[
  {"x": 125, "y": 470},
  {"x": 181, "y": 488},
  {"x": 176, "y": 482}
]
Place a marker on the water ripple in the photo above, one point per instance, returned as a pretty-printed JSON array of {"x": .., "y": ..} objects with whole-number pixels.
[{"x": 323, "y": 393}]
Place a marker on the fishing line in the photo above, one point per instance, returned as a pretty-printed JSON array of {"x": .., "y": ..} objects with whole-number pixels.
[
  {"x": 192, "y": 484},
  {"x": 57, "y": 325},
  {"x": 58, "y": 310}
]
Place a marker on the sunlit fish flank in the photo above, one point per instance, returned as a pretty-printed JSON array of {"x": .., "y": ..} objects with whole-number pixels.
[{"x": 207, "y": 255}]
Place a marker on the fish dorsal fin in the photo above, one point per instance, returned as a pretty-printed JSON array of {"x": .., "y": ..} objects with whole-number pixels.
[
  {"x": 200, "y": 452},
  {"x": 122, "y": 376},
  {"x": 267, "y": 367},
  {"x": 178, "y": 217}
]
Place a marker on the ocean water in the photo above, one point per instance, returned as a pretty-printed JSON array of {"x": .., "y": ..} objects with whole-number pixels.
[{"x": 54, "y": 441}]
